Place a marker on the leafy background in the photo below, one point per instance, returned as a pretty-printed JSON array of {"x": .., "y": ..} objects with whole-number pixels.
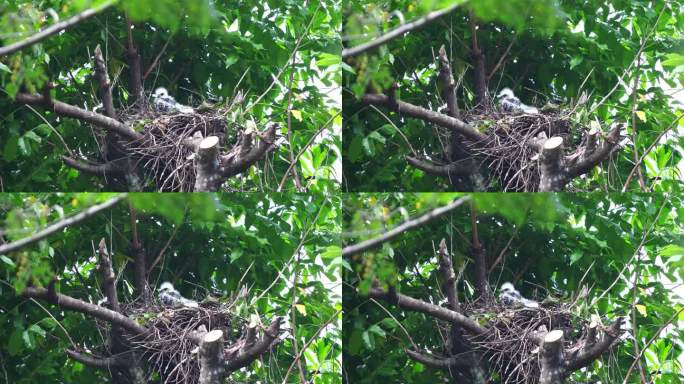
[
  {"x": 558, "y": 243},
  {"x": 212, "y": 45},
  {"x": 556, "y": 47},
  {"x": 218, "y": 239}
]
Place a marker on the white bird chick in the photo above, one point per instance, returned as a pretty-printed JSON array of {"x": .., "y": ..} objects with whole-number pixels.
[
  {"x": 164, "y": 102},
  {"x": 170, "y": 297},
  {"x": 510, "y": 296},
  {"x": 510, "y": 103}
]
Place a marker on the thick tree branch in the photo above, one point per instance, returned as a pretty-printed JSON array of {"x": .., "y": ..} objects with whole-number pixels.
[
  {"x": 478, "y": 58},
  {"x": 234, "y": 164},
  {"x": 70, "y": 303},
  {"x": 138, "y": 250},
  {"x": 53, "y": 29},
  {"x": 438, "y": 363},
  {"x": 104, "y": 267},
  {"x": 553, "y": 176},
  {"x": 69, "y": 110},
  {"x": 399, "y": 229},
  {"x": 479, "y": 255},
  {"x": 552, "y": 370},
  {"x": 60, "y": 224},
  {"x": 588, "y": 355},
  {"x": 212, "y": 369},
  {"x": 600, "y": 154},
  {"x": 245, "y": 356},
  {"x": 105, "y": 85},
  {"x": 207, "y": 176},
  {"x": 459, "y": 168},
  {"x": 99, "y": 362},
  {"x": 410, "y": 110},
  {"x": 134, "y": 68},
  {"x": 397, "y": 32},
  {"x": 111, "y": 168},
  {"x": 446, "y": 269},
  {"x": 432, "y": 310}
]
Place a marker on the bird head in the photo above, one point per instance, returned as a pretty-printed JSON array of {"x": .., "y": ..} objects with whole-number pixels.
[
  {"x": 161, "y": 92},
  {"x": 505, "y": 93},
  {"x": 166, "y": 286},
  {"x": 507, "y": 287}
]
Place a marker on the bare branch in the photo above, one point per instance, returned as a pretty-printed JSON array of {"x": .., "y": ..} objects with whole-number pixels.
[
  {"x": 435, "y": 311},
  {"x": 600, "y": 154},
  {"x": 98, "y": 362},
  {"x": 459, "y": 168},
  {"x": 410, "y": 110},
  {"x": 105, "y": 85},
  {"x": 69, "y": 110},
  {"x": 246, "y": 356},
  {"x": 68, "y": 302},
  {"x": 212, "y": 369},
  {"x": 439, "y": 363},
  {"x": 109, "y": 168},
  {"x": 60, "y": 224},
  {"x": 399, "y": 229},
  {"x": 588, "y": 355},
  {"x": 238, "y": 164}
]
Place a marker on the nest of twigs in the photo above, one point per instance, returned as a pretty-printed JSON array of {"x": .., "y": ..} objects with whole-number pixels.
[
  {"x": 167, "y": 351},
  {"x": 506, "y": 153},
  {"x": 510, "y": 347},
  {"x": 163, "y": 153}
]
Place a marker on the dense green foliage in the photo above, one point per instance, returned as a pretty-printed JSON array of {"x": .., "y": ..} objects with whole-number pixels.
[
  {"x": 559, "y": 50},
  {"x": 209, "y": 242},
  {"x": 208, "y": 50},
  {"x": 558, "y": 244}
]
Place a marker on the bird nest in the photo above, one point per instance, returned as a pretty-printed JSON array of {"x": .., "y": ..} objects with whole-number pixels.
[
  {"x": 167, "y": 350},
  {"x": 511, "y": 347},
  {"x": 510, "y": 152},
  {"x": 166, "y": 154}
]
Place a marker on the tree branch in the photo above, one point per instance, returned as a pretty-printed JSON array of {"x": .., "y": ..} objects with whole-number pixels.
[
  {"x": 600, "y": 154},
  {"x": 105, "y": 85},
  {"x": 458, "y": 168},
  {"x": 410, "y": 110},
  {"x": 592, "y": 353},
  {"x": 53, "y": 29},
  {"x": 240, "y": 163},
  {"x": 438, "y": 363},
  {"x": 98, "y": 362},
  {"x": 552, "y": 356},
  {"x": 405, "y": 226},
  {"x": 432, "y": 310},
  {"x": 212, "y": 369},
  {"x": 108, "y": 168},
  {"x": 70, "y": 303},
  {"x": 60, "y": 224},
  {"x": 69, "y": 110},
  {"x": 397, "y": 32},
  {"x": 246, "y": 356},
  {"x": 207, "y": 176}
]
